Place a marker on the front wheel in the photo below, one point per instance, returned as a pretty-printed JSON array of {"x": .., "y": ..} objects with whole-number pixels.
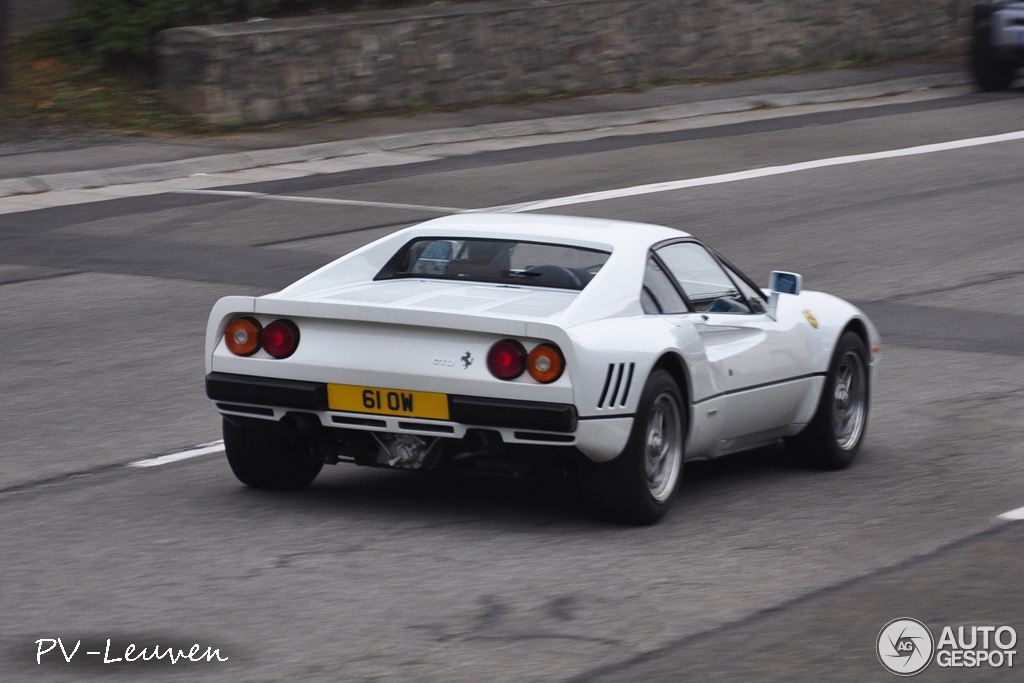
[
  {"x": 832, "y": 439},
  {"x": 263, "y": 458},
  {"x": 637, "y": 486}
]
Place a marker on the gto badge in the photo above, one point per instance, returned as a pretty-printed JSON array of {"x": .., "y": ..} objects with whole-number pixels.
[{"x": 811, "y": 319}]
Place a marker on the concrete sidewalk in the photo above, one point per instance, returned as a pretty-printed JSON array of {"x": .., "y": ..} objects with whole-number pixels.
[{"x": 34, "y": 164}]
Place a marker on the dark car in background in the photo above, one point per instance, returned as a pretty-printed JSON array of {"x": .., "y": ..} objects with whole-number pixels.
[{"x": 997, "y": 45}]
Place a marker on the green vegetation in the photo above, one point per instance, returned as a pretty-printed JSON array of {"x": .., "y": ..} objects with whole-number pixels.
[
  {"x": 58, "y": 89},
  {"x": 865, "y": 54},
  {"x": 110, "y": 33}
]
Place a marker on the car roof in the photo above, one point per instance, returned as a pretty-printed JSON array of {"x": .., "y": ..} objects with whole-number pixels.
[{"x": 586, "y": 232}]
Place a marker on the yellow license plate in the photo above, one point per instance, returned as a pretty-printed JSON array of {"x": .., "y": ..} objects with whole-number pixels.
[{"x": 379, "y": 401}]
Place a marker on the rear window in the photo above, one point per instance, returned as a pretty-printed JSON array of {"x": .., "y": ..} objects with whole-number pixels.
[{"x": 495, "y": 261}]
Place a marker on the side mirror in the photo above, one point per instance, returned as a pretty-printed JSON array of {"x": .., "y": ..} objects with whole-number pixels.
[
  {"x": 781, "y": 282},
  {"x": 785, "y": 283}
]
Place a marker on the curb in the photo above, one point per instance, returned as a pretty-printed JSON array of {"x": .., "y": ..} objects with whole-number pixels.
[{"x": 239, "y": 161}]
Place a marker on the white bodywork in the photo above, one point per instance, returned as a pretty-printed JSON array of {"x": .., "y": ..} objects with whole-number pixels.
[{"x": 749, "y": 379}]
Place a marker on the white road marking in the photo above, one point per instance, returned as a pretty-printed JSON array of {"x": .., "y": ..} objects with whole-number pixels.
[
  {"x": 203, "y": 449},
  {"x": 1013, "y": 515},
  {"x": 326, "y": 200},
  {"x": 652, "y": 188},
  {"x": 669, "y": 186}
]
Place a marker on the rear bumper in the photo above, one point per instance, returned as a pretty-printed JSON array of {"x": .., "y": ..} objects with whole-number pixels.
[
  {"x": 468, "y": 410},
  {"x": 280, "y": 393},
  {"x": 518, "y": 422}
]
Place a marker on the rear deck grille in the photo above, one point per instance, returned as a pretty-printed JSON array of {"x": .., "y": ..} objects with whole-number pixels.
[{"x": 616, "y": 385}]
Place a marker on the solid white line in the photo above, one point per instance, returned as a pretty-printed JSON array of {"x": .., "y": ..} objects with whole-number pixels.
[
  {"x": 669, "y": 186},
  {"x": 222, "y": 193},
  {"x": 1013, "y": 515},
  {"x": 666, "y": 186},
  {"x": 325, "y": 200},
  {"x": 204, "y": 449}
]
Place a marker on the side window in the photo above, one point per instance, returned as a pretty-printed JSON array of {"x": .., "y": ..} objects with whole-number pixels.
[
  {"x": 755, "y": 299},
  {"x": 702, "y": 278},
  {"x": 659, "y": 296}
]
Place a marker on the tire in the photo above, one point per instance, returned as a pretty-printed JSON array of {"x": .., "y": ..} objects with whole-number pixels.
[
  {"x": 637, "y": 486},
  {"x": 833, "y": 438},
  {"x": 262, "y": 458},
  {"x": 990, "y": 73}
]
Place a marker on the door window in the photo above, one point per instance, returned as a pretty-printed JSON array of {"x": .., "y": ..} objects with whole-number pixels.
[
  {"x": 700, "y": 275},
  {"x": 755, "y": 299}
]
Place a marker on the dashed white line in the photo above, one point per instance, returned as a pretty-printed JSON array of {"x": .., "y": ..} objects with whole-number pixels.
[
  {"x": 669, "y": 186},
  {"x": 202, "y": 449},
  {"x": 1012, "y": 516}
]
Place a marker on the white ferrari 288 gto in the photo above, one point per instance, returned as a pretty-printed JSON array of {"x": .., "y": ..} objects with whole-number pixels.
[{"x": 498, "y": 343}]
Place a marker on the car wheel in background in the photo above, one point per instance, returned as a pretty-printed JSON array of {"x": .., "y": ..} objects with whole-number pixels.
[
  {"x": 990, "y": 73},
  {"x": 637, "y": 486},
  {"x": 263, "y": 458},
  {"x": 832, "y": 439}
]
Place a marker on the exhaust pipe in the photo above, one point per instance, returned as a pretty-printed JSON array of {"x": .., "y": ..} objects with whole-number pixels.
[
  {"x": 481, "y": 441},
  {"x": 299, "y": 425}
]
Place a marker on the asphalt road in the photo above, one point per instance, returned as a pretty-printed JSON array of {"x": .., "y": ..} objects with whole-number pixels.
[{"x": 761, "y": 570}]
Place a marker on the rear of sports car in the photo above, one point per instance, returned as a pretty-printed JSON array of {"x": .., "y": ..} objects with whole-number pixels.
[{"x": 408, "y": 373}]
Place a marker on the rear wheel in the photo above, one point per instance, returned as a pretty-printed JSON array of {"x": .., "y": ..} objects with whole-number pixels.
[
  {"x": 263, "y": 458},
  {"x": 637, "y": 486},
  {"x": 832, "y": 439}
]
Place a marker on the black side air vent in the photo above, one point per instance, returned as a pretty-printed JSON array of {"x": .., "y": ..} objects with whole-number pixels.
[{"x": 616, "y": 385}]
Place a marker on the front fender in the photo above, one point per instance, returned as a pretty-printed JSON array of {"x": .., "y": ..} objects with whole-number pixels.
[{"x": 833, "y": 315}]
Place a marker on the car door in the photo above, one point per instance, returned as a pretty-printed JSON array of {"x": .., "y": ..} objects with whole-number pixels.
[{"x": 757, "y": 364}]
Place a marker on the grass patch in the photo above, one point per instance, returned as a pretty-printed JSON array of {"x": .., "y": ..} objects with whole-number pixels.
[{"x": 59, "y": 90}]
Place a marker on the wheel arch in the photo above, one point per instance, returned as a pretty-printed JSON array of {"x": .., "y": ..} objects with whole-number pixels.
[
  {"x": 673, "y": 364},
  {"x": 857, "y": 326}
]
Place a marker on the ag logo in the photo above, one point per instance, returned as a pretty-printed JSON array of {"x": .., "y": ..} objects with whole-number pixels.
[{"x": 905, "y": 646}]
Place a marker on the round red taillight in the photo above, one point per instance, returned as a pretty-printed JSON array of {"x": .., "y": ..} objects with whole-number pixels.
[
  {"x": 242, "y": 336},
  {"x": 280, "y": 338},
  {"x": 506, "y": 359}
]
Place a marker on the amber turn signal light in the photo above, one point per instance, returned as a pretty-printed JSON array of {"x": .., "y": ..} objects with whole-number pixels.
[
  {"x": 545, "y": 363},
  {"x": 242, "y": 336}
]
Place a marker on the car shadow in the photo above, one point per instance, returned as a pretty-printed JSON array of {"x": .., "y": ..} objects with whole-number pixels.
[{"x": 447, "y": 497}]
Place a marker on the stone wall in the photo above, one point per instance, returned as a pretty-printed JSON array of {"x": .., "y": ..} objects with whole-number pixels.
[{"x": 287, "y": 69}]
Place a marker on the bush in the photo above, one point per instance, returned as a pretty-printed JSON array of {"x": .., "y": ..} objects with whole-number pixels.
[{"x": 119, "y": 32}]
